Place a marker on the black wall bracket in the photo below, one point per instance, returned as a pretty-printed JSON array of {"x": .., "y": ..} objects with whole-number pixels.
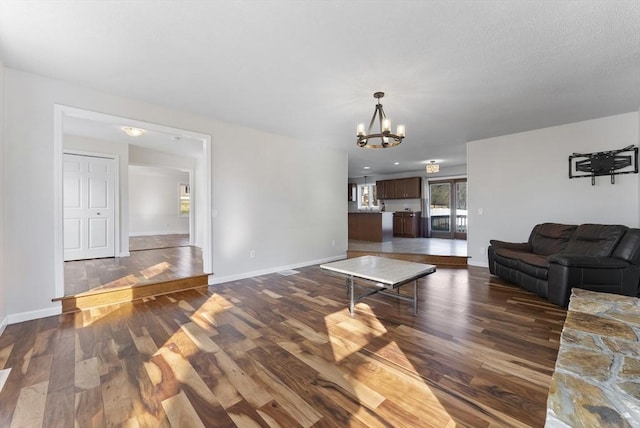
[{"x": 612, "y": 163}]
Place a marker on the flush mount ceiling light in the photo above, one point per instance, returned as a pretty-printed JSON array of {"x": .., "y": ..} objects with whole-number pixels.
[
  {"x": 133, "y": 132},
  {"x": 432, "y": 167},
  {"x": 383, "y": 139}
]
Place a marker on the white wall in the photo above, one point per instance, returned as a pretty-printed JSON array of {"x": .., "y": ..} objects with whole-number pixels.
[
  {"x": 147, "y": 157},
  {"x": 154, "y": 201},
  {"x": 121, "y": 150},
  {"x": 3, "y": 309},
  {"x": 519, "y": 180},
  {"x": 285, "y": 201},
  {"x": 278, "y": 196}
]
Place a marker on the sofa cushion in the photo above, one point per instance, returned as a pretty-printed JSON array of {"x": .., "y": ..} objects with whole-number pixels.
[
  {"x": 509, "y": 258},
  {"x": 597, "y": 240},
  {"x": 550, "y": 238},
  {"x": 534, "y": 265}
]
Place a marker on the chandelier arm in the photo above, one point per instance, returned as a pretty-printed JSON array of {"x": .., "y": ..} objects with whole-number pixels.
[
  {"x": 381, "y": 115},
  {"x": 373, "y": 118}
]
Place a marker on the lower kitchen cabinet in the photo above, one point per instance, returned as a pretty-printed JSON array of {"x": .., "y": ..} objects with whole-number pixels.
[{"x": 406, "y": 224}]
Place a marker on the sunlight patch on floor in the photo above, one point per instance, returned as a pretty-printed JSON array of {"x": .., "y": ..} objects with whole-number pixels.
[
  {"x": 368, "y": 336},
  {"x": 155, "y": 270}
]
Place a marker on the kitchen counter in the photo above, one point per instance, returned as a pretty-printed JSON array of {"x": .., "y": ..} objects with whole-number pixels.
[{"x": 375, "y": 226}]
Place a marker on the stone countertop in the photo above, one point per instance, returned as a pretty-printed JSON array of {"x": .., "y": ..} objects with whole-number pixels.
[{"x": 596, "y": 382}]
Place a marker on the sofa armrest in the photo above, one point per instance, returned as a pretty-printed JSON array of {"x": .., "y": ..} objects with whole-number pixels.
[
  {"x": 579, "y": 261},
  {"x": 520, "y": 246},
  {"x": 603, "y": 274}
]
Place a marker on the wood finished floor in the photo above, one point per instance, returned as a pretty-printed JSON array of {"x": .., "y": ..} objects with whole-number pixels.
[
  {"x": 140, "y": 268},
  {"x": 153, "y": 242},
  {"x": 283, "y": 351}
]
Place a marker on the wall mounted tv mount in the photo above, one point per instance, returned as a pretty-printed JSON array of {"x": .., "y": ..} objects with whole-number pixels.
[{"x": 612, "y": 163}]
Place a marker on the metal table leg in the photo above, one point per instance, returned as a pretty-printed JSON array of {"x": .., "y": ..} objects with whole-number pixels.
[
  {"x": 415, "y": 297},
  {"x": 351, "y": 296}
]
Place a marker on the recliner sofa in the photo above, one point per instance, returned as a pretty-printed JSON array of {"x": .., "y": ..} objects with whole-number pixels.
[{"x": 558, "y": 257}]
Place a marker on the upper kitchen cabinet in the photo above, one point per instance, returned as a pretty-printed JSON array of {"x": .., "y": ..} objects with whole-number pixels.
[
  {"x": 385, "y": 189},
  {"x": 352, "y": 189},
  {"x": 408, "y": 188},
  {"x": 402, "y": 188}
]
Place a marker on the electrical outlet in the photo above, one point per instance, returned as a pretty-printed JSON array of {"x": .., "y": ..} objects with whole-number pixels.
[
  {"x": 481, "y": 250},
  {"x": 252, "y": 254},
  {"x": 333, "y": 242}
]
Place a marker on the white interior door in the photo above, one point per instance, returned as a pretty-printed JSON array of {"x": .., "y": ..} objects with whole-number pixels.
[{"x": 89, "y": 215}]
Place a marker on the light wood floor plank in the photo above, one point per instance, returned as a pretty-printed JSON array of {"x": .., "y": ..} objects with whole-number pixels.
[{"x": 30, "y": 406}]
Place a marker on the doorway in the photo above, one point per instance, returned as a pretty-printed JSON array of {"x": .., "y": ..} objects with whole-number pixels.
[
  {"x": 448, "y": 208},
  {"x": 63, "y": 115}
]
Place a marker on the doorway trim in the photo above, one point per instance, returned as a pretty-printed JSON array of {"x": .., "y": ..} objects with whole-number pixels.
[{"x": 59, "y": 112}]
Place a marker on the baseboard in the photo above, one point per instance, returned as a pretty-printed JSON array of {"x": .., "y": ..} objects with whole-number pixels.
[
  {"x": 32, "y": 315},
  {"x": 162, "y": 232},
  {"x": 471, "y": 262},
  {"x": 3, "y": 324},
  {"x": 213, "y": 280},
  {"x": 124, "y": 254}
]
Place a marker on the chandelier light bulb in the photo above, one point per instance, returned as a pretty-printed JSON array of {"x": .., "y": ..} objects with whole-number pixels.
[
  {"x": 360, "y": 130},
  {"x": 386, "y": 125}
]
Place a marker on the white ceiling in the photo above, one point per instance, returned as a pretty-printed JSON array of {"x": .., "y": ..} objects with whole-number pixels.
[
  {"x": 175, "y": 143},
  {"x": 452, "y": 71}
]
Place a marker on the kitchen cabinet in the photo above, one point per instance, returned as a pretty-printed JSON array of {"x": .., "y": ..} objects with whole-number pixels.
[
  {"x": 402, "y": 188},
  {"x": 382, "y": 189},
  {"x": 352, "y": 191},
  {"x": 407, "y": 188},
  {"x": 406, "y": 224},
  {"x": 374, "y": 226}
]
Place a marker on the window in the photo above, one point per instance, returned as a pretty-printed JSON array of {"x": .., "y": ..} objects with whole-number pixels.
[
  {"x": 367, "y": 197},
  {"x": 448, "y": 208},
  {"x": 185, "y": 199}
]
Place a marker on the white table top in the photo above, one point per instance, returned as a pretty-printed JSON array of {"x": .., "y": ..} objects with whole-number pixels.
[{"x": 380, "y": 269}]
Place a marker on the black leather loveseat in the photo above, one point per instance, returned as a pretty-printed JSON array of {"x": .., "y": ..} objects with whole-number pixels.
[{"x": 558, "y": 257}]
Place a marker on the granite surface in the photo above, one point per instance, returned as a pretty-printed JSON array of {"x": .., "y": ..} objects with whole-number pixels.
[{"x": 596, "y": 382}]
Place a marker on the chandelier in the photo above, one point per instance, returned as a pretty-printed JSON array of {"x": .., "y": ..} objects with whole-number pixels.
[
  {"x": 384, "y": 138},
  {"x": 432, "y": 167}
]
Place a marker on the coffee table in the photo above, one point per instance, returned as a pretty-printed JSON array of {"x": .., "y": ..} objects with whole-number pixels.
[{"x": 382, "y": 275}]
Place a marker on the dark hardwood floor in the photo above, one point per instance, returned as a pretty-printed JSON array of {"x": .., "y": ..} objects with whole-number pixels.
[
  {"x": 283, "y": 351},
  {"x": 153, "y": 242},
  {"x": 140, "y": 268}
]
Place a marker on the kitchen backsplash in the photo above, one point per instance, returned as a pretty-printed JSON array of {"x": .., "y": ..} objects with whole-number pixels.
[
  {"x": 402, "y": 205},
  {"x": 393, "y": 205}
]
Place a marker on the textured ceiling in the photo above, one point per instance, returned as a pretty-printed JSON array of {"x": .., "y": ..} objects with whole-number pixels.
[{"x": 453, "y": 71}]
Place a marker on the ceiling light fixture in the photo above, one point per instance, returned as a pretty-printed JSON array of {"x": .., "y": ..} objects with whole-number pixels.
[
  {"x": 133, "y": 132},
  {"x": 385, "y": 137},
  {"x": 432, "y": 167}
]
